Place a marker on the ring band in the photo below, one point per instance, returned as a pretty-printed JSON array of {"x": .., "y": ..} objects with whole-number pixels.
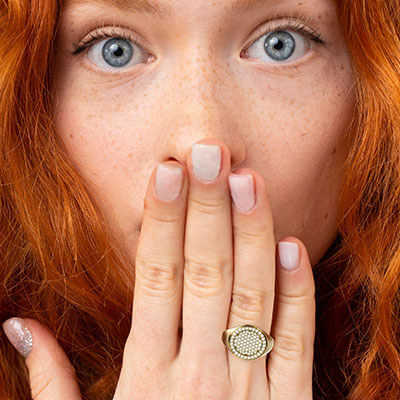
[{"x": 247, "y": 341}]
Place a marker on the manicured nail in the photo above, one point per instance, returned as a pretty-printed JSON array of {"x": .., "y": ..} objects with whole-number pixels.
[
  {"x": 206, "y": 160},
  {"x": 288, "y": 255},
  {"x": 168, "y": 182},
  {"x": 242, "y": 191},
  {"x": 19, "y": 335}
]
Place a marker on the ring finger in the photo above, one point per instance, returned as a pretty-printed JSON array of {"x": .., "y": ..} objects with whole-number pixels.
[{"x": 254, "y": 275}]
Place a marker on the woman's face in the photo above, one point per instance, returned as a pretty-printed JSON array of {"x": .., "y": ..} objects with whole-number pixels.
[{"x": 165, "y": 75}]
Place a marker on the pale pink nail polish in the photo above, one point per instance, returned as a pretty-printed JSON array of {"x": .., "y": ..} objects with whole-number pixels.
[
  {"x": 242, "y": 191},
  {"x": 168, "y": 182},
  {"x": 206, "y": 160},
  {"x": 288, "y": 255}
]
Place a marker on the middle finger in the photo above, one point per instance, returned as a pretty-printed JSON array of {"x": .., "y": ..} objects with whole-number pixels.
[{"x": 208, "y": 269}]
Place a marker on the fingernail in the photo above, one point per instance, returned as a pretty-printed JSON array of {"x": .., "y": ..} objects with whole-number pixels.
[
  {"x": 288, "y": 255},
  {"x": 19, "y": 335},
  {"x": 168, "y": 182},
  {"x": 242, "y": 190},
  {"x": 206, "y": 160}
]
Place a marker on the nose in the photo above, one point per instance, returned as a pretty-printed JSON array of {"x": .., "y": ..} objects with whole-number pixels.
[{"x": 202, "y": 105}]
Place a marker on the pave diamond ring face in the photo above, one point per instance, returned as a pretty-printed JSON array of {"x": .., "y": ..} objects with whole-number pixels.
[{"x": 247, "y": 342}]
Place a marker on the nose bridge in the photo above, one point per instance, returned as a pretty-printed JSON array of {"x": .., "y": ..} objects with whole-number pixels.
[
  {"x": 199, "y": 76},
  {"x": 203, "y": 95},
  {"x": 204, "y": 104}
]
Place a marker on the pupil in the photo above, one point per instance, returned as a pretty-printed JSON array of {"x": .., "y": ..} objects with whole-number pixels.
[
  {"x": 279, "y": 45},
  {"x": 118, "y": 52}
]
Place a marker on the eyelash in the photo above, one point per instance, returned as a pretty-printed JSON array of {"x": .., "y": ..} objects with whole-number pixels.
[
  {"x": 99, "y": 35},
  {"x": 297, "y": 26}
]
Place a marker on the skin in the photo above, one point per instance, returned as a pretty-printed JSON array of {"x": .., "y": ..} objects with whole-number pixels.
[
  {"x": 278, "y": 120},
  {"x": 282, "y": 123}
]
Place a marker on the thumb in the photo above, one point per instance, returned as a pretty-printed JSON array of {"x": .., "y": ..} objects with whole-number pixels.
[{"x": 51, "y": 375}]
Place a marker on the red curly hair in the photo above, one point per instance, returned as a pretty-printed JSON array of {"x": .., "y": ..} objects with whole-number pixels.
[{"x": 61, "y": 267}]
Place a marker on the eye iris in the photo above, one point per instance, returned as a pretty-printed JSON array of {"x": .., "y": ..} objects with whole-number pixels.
[
  {"x": 279, "y": 45},
  {"x": 117, "y": 52}
]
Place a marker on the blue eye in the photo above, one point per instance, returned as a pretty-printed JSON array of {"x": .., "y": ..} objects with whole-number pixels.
[
  {"x": 279, "y": 46},
  {"x": 116, "y": 53}
]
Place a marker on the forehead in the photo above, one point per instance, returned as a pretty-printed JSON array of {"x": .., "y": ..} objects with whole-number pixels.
[{"x": 165, "y": 8}]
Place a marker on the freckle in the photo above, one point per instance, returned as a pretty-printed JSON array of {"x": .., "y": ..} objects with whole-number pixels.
[
  {"x": 334, "y": 151},
  {"x": 71, "y": 135},
  {"x": 326, "y": 216},
  {"x": 342, "y": 67},
  {"x": 130, "y": 155},
  {"x": 291, "y": 102},
  {"x": 319, "y": 17}
]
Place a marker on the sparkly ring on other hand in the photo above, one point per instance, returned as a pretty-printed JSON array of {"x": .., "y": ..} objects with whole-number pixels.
[{"x": 247, "y": 341}]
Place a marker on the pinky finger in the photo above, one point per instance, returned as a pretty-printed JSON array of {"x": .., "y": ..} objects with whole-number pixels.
[{"x": 290, "y": 363}]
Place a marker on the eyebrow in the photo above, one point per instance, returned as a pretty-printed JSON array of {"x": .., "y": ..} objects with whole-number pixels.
[{"x": 153, "y": 7}]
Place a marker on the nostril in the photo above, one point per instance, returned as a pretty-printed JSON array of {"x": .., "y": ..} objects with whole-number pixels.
[{"x": 173, "y": 159}]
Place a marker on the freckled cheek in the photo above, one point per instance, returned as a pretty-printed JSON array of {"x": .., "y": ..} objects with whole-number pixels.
[
  {"x": 98, "y": 139},
  {"x": 295, "y": 139}
]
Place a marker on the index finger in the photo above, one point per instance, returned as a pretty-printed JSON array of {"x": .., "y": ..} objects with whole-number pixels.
[{"x": 159, "y": 264}]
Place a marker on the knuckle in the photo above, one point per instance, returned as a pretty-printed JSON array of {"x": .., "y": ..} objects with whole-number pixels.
[
  {"x": 159, "y": 216},
  {"x": 289, "y": 347},
  {"x": 157, "y": 276},
  {"x": 138, "y": 377},
  {"x": 251, "y": 236},
  {"x": 200, "y": 385},
  {"x": 298, "y": 299},
  {"x": 208, "y": 206},
  {"x": 204, "y": 278},
  {"x": 39, "y": 385},
  {"x": 247, "y": 303}
]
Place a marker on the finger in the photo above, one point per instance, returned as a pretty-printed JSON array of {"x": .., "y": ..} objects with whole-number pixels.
[
  {"x": 208, "y": 255},
  {"x": 254, "y": 275},
  {"x": 290, "y": 362},
  {"x": 51, "y": 374},
  {"x": 153, "y": 339}
]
